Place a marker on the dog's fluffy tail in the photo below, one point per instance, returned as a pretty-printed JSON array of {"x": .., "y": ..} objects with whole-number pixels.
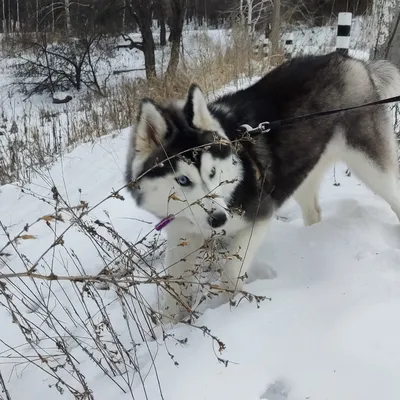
[{"x": 386, "y": 78}]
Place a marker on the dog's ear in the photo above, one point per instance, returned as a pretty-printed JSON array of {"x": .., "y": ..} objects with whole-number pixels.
[
  {"x": 151, "y": 127},
  {"x": 196, "y": 109}
]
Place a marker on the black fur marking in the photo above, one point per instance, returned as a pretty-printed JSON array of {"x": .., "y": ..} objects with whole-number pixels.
[
  {"x": 182, "y": 142},
  {"x": 284, "y": 157}
]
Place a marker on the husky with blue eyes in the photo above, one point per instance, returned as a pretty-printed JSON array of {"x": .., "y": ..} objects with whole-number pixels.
[{"x": 189, "y": 165}]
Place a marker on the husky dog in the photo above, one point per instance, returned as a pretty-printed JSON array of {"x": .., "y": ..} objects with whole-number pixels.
[{"x": 216, "y": 184}]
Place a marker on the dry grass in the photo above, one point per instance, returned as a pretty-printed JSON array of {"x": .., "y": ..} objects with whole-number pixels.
[
  {"x": 41, "y": 139},
  {"x": 214, "y": 66}
]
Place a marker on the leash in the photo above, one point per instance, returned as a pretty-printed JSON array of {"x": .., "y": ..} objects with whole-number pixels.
[{"x": 265, "y": 127}]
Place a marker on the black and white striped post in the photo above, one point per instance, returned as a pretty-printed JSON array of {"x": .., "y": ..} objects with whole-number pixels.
[
  {"x": 343, "y": 32},
  {"x": 264, "y": 44},
  {"x": 289, "y": 44},
  {"x": 289, "y": 39},
  {"x": 343, "y": 41}
]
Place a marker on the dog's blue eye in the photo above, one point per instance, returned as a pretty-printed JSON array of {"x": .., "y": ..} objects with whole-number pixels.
[{"x": 183, "y": 180}]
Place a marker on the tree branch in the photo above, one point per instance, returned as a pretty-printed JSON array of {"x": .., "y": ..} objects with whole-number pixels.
[{"x": 132, "y": 44}]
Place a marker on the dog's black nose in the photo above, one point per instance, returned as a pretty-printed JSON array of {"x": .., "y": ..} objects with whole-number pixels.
[{"x": 217, "y": 219}]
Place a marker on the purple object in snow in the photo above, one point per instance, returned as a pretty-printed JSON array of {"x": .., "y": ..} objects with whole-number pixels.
[{"x": 164, "y": 222}]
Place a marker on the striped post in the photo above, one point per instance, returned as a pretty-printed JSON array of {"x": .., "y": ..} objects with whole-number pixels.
[
  {"x": 289, "y": 39},
  {"x": 258, "y": 45},
  {"x": 343, "y": 32},
  {"x": 289, "y": 44},
  {"x": 266, "y": 47}
]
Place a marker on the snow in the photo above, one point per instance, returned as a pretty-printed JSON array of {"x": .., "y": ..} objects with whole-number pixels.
[
  {"x": 30, "y": 115},
  {"x": 323, "y": 38},
  {"x": 330, "y": 331}
]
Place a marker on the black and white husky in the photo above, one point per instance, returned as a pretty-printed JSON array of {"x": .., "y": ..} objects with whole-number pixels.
[{"x": 215, "y": 184}]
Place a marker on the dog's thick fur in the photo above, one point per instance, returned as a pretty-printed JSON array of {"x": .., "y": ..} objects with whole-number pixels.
[{"x": 235, "y": 189}]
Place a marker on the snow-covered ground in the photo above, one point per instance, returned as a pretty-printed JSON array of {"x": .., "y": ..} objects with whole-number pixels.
[
  {"x": 24, "y": 119},
  {"x": 330, "y": 331},
  {"x": 323, "y": 38}
]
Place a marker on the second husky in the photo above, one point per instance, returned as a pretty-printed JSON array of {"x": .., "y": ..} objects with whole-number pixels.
[{"x": 200, "y": 171}]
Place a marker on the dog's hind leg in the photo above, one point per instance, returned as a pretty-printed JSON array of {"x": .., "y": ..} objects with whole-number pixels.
[
  {"x": 375, "y": 163},
  {"x": 307, "y": 193},
  {"x": 383, "y": 180}
]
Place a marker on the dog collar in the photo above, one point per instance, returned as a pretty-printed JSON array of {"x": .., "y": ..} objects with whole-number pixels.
[{"x": 164, "y": 222}]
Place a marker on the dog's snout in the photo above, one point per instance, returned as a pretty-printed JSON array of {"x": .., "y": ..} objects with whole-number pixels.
[{"x": 216, "y": 220}]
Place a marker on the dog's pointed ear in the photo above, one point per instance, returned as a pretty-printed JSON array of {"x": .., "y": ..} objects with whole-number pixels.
[
  {"x": 151, "y": 127},
  {"x": 196, "y": 109}
]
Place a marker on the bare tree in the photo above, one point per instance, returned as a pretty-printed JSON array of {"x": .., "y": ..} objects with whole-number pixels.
[
  {"x": 53, "y": 20},
  {"x": 124, "y": 17},
  {"x": 37, "y": 16},
  {"x": 18, "y": 22},
  {"x": 276, "y": 27},
  {"x": 67, "y": 16},
  {"x": 10, "y": 27},
  {"x": 249, "y": 16},
  {"x": 4, "y": 17},
  {"x": 252, "y": 14},
  {"x": 176, "y": 19},
  {"x": 63, "y": 66},
  {"x": 141, "y": 12},
  {"x": 384, "y": 13},
  {"x": 163, "y": 31}
]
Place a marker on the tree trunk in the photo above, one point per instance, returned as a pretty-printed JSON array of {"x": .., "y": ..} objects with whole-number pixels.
[
  {"x": 148, "y": 51},
  {"x": 10, "y": 19},
  {"x": 249, "y": 16},
  {"x": 78, "y": 77},
  {"x": 163, "y": 31},
  {"x": 142, "y": 15},
  {"x": 124, "y": 18},
  {"x": 37, "y": 16},
  {"x": 174, "y": 60},
  {"x": 241, "y": 12},
  {"x": 176, "y": 19},
  {"x": 390, "y": 49},
  {"x": 276, "y": 28},
  {"x": 385, "y": 19},
  {"x": 18, "y": 24},
  {"x": 4, "y": 17},
  {"x": 67, "y": 16},
  {"x": 53, "y": 20}
]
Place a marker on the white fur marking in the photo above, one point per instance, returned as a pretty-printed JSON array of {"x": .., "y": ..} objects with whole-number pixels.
[
  {"x": 151, "y": 128},
  {"x": 202, "y": 118}
]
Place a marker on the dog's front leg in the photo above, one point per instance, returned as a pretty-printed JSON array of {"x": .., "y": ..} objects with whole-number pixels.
[
  {"x": 242, "y": 250},
  {"x": 182, "y": 265}
]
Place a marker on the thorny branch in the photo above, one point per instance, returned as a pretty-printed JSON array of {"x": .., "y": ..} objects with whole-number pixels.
[
  {"x": 4, "y": 388},
  {"x": 126, "y": 267}
]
